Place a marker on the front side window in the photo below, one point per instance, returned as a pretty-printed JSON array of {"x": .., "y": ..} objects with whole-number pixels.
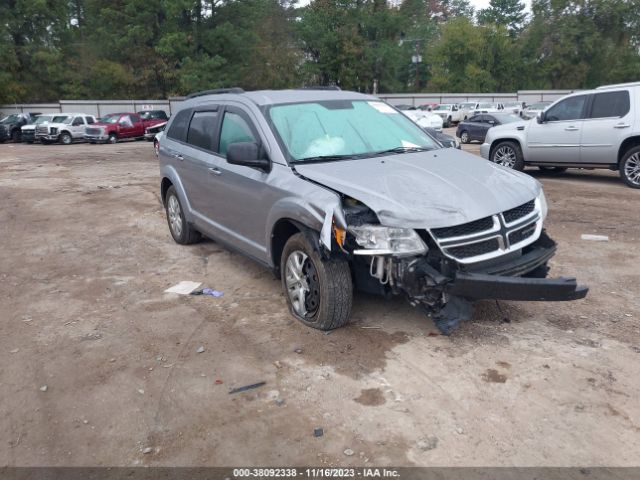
[
  {"x": 610, "y": 104},
  {"x": 125, "y": 121},
  {"x": 202, "y": 130},
  {"x": 90, "y": 120},
  {"x": 344, "y": 128},
  {"x": 78, "y": 121},
  {"x": 476, "y": 118},
  {"x": 234, "y": 130},
  {"x": 571, "y": 108},
  {"x": 61, "y": 119}
]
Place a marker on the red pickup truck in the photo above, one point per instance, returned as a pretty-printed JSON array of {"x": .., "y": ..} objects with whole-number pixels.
[{"x": 118, "y": 126}]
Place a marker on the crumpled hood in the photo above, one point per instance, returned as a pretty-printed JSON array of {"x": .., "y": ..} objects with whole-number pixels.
[{"x": 426, "y": 189}]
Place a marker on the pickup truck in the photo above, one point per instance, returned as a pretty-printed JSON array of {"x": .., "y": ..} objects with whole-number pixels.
[
  {"x": 11, "y": 124},
  {"x": 119, "y": 126}
]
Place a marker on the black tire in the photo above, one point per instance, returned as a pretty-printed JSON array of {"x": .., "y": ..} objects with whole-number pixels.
[
  {"x": 552, "y": 169},
  {"x": 185, "y": 234},
  {"x": 329, "y": 281},
  {"x": 511, "y": 149},
  {"x": 630, "y": 167},
  {"x": 447, "y": 122},
  {"x": 464, "y": 137},
  {"x": 65, "y": 138},
  {"x": 113, "y": 138},
  {"x": 45, "y": 142},
  {"x": 16, "y": 136}
]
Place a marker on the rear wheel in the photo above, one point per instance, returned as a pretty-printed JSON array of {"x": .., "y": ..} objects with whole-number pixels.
[
  {"x": 447, "y": 122},
  {"x": 181, "y": 231},
  {"x": 508, "y": 154},
  {"x": 464, "y": 137},
  {"x": 113, "y": 138},
  {"x": 319, "y": 292},
  {"x": 630, "y": 167}
]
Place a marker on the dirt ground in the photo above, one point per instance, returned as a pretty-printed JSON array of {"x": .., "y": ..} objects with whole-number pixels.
[{"x": 86, "y": 255}]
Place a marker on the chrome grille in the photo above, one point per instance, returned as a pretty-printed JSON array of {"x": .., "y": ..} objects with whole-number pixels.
[
  {"x": 92, "y": 131},
  {"x": 523, "y": 210},
  {"x": 492, "y": 236},
  {"x": 42, "y": 129}
]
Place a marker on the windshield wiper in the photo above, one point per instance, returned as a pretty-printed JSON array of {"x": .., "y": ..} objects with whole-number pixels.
[
  {"x": 404, "y": 150},
  {"x": 326, "y": 158}
]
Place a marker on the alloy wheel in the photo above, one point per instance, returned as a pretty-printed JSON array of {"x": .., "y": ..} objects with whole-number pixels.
[
  {"x": 175, "y": 216},
  {"x": 301, "y": 280},
  {"x": 465, "y": 137},
  {"x": 505, "y": 156},
  {"x": 632, "y": 169}
]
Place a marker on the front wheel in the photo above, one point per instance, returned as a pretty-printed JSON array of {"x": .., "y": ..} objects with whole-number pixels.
[
  {"x": 113, "y": 138},
  {"x": 630, "y": 167},
  {"x": 508, "y": 154},
  {"x": 464, "y": 137},
  {"x": 319, "y": 292},
  {"x": 65, "y": 138}
]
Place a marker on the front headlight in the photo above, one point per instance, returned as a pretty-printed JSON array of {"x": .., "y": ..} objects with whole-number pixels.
[
  {"x": 53, "y": 130},
  {"x": 379, "y": 240},
  {"x": 543, "y": 204}
]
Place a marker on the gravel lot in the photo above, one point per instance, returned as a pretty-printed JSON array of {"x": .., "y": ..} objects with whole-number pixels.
[{"x": 86, "y": 256}]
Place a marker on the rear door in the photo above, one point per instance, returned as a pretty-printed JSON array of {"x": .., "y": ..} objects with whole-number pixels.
[
  {"x": 606, "y": 126},
  {"x": 557, "y": 140},
  {"x": 475, "y": 127}
]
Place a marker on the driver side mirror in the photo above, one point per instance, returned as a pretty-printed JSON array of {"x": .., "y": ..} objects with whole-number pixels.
[
  {"x": 248, "y": 154},
  {"x": 540, "y": 117}
]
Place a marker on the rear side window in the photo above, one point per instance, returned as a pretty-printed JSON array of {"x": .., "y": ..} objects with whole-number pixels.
[
  {"x": 610, "y": 104},
  {"x": 476, "y": 118},
  {"x": 202, "y": 130},
  {"x": 178, "y": 129},
  {"x": 234, "y": 130},
  {"x": 571, "y": 108}
]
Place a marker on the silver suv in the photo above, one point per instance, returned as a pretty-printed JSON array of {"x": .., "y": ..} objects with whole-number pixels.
[
  {"x": 334, "y": 190},
  {"x": 589, "y": 129}
]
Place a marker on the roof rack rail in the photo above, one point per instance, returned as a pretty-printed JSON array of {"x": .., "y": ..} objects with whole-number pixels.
[
  {"x": 215, "y": 91},
  {"x": 320, "y": 87}
]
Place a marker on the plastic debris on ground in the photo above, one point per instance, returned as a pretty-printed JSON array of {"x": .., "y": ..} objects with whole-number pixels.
[
  {"x": 594, "y": 238},
  {"x": 208, "y": 291},
  {"x": 247, "y": 387},
  {"x": 184, "y": 288}
]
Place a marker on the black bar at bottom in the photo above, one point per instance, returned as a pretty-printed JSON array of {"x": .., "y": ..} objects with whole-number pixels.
[{"x": 495, "y": 287}]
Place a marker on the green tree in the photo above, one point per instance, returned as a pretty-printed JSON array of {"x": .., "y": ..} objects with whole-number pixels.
[{"x": 508, "y": 13}]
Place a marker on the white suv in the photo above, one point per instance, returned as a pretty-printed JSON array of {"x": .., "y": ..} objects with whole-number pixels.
[{"x": 589, "y": 129}]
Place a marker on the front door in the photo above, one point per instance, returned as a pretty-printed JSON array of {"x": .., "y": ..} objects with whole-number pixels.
[
  {"x": 557, "y": 139},
  {"x": 77, "y": 127}
]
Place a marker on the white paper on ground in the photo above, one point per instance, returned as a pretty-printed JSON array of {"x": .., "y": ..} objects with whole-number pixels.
[
  {"x": 183, "y": 288},
  {"x": 594, "y": 238}
]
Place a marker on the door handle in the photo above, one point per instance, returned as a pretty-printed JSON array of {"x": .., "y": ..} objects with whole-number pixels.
[
  {"x": 215, "y": 171},
  {"x": 622, "y": 125},
  {"x": 178, "y": 156},
  {"x": 571, "y": 129}
]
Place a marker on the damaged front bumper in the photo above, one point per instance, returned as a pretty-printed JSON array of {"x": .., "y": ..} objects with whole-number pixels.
[{"x": 446, "y": 289}]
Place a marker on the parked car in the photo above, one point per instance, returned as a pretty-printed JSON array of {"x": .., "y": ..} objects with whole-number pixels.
[
  {"x": 29, "y": 131},
  {"x": 424, "y": 119},
  {"x": 334, "y": 190},
  {"x": 532, "y": 111},
  {"x": 476, "y": 127},
  {"x": 151, "y": 132},
  {"x": 427, "y": 106},
  {"x": 513, "y": 107},
  {"x": 10, "y": 126},
  {"x": 153, "y": 115},
  {"x": 447, "y": 141},
  {"x": 589, "y": 129},
  {"x": 449, "y": 113},
  {"x": 119, "y": 126},
  {"x": 65, "y": 128}
]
